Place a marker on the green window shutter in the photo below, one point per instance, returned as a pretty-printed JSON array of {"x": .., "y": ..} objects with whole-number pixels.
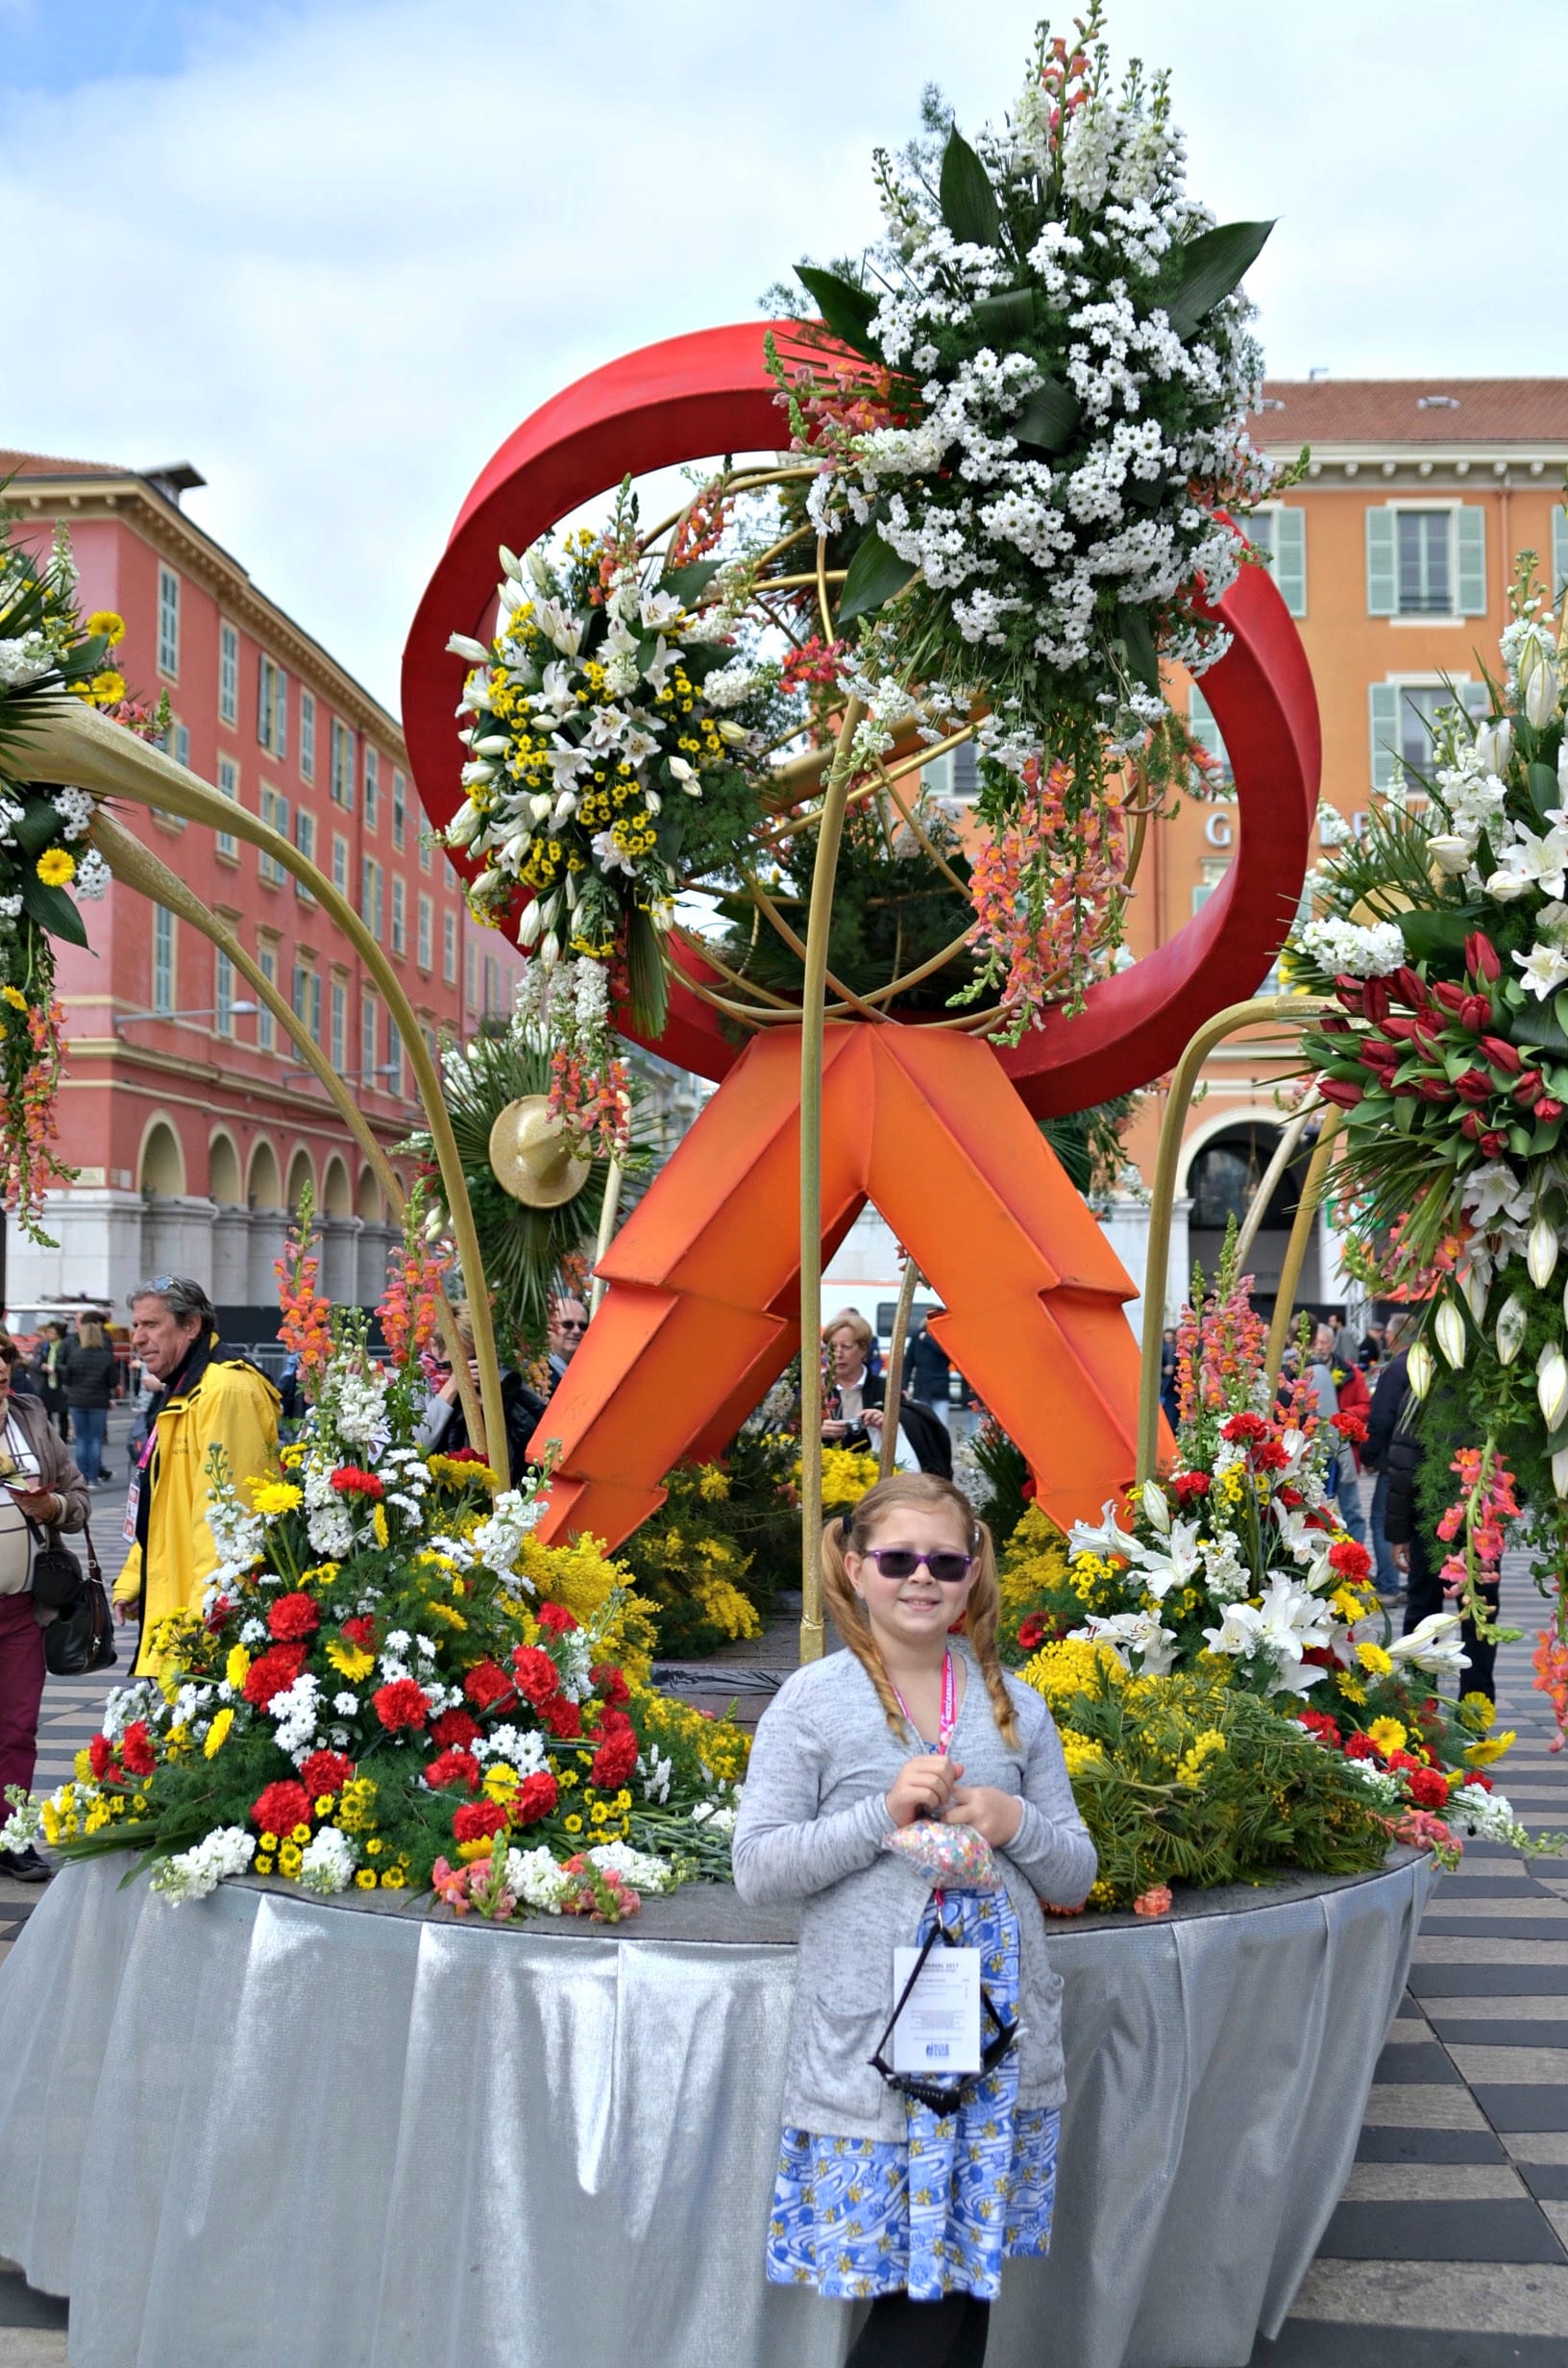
[
  {"x": 1559, "y": 552},
  {"x": 1385, "y": 714},
  {"x": 1382, "y": 583},
  {"x": 1290, "y": 558},
  {"x": 1200, "y": 721},
  {"x": 1470, "y": 540}
]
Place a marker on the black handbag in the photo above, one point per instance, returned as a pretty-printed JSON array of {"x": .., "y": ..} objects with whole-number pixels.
[{"x": 81, "y": 1637}]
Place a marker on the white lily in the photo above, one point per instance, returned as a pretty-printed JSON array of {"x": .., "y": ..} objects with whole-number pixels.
[
  {"x": 464, "y": 645},
  {"x": 1108, "y": 1539},
  {"x": 1494, "y": 745},
  {"x": 561, "y": 625},
  {"x": 1419, "y": 1368},
  {"x": 1434, "y": 1645},
  {"x": 1552, "y": 1385},
  {"x": 1545, "y": 969},
  {"x": 1541, "y": 1252},
  {"x": 1475, "y": 1288},
  {"x": 1513, "y": 1319},
  {"x": 1449, "y": 1330},
  {"x": 659, "y": 609},
  {"x": 1157, "y": 1506},
  {"x": 1129, "y": 1632},
  {"x": 1539, "y": 682},
  {"x": 1237, "y": 1632},
  {"x": 536, "y": 569},
  {"x": 1450, "y": 854}
]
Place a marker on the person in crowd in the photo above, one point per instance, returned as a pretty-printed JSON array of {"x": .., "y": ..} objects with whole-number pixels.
[
  {"x": 207, "y": 1396},
  {"x": 1387, "y": 1575},
  {"x": 90, "y": 1373},
  {"x": 42, "y": 1492},
  {"x": 853, "y": 1415},
  {"x": 905, "y": 1726},
  {"x": 1370, "y": 1355},
  {"x": 567, "y": 1322},
  {"x": 1414, "y": 1549},
  {"x": 444, "y": 1428},
  {"x": 1354, "y": 1398},
  {"x": 926, "y": 1369},
  {"x": 1340, "y": 1472},
  {"x": 1168, "y": 1399},
  {"x": 47, "y": 1359}
]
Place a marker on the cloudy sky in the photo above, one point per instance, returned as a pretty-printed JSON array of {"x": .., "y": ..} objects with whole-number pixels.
[{"x": 332, "y": 251}]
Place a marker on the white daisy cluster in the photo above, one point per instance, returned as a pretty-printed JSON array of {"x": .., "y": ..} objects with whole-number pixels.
[{"x": 1022, "y": 530}]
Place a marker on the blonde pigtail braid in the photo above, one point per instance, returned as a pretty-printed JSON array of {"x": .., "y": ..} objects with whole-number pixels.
[{"x": 854, "y": 1532}]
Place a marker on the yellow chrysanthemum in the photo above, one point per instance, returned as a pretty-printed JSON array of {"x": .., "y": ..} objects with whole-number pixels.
[
  {"x": 217, "y": 1734},
  {"x": 109, "y": 687},
  {"x": 350, "y": 1661},
  {"x": 1389, "y": 1735},
  {"x": 55, "y": 867},
  {"x": 1374, "y": 1659},
  {"x": 272, "y": 1498},
  {"x": 237, "y": 1668},
  {"x": 1490, "y": 1747},
  {"x": 1477, "y": 1712},
  {"x": 107, "y": 625}
]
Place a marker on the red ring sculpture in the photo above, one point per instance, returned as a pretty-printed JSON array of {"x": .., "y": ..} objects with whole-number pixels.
[{"x": 710, "y": 392}]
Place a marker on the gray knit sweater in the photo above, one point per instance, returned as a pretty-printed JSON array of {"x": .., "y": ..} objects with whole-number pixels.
[{"x": 812, "y": 1819}]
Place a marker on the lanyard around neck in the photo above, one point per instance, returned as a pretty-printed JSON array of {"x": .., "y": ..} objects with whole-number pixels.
[{"x": 947, "y": 1716}]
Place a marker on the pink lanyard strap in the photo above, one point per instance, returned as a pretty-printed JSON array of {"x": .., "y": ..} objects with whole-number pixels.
[{"x": 947, "y": 1716}]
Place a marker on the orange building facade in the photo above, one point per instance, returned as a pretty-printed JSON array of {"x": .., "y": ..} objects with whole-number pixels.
[
  {"x": 190, "y": 1121},
  {"x": 1395, "y": 554}
]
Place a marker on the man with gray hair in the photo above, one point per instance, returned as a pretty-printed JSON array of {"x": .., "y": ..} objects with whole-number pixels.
[{"x": 207, "y": 1397}]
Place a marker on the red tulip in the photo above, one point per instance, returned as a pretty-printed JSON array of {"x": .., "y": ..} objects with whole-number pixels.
[
  {"x": 1481, "y": 958},
  {"x": 1501, "y": 1055},
  {"x": 1474, "y": 1086}
]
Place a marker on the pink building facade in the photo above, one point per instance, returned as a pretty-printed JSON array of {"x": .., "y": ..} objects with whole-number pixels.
[{"x": 185, "y": 1109}]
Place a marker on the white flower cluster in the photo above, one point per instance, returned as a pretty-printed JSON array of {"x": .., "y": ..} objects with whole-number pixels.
[
  {"x": 1373, "y": 951},
  {"x": 635, "y": 1868},
  {"x": 656, "y": 1768},
  {"x": 1489, "y": 1815},
  {"x": 326, "y": 1863},
  {"x": 497, "y": 1541},
  {"x": 1028, "y": 540},
  {"x": 193, "y": 1873},
  {"x": 536, "y": 1879}
]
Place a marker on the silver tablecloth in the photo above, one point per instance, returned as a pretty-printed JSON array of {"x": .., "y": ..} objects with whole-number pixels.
[{"x": 291, "y": 2135}]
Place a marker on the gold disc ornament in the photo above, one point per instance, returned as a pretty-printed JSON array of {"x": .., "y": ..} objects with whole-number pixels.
[{"x": 532, "y": 1156}]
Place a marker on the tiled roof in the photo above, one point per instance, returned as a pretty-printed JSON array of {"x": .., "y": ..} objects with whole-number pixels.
[
  {"x": 1380, "y": 411},
  {"x": 48, "y": 464}
]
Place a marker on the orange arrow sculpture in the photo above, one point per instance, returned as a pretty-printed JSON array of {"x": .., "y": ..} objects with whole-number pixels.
[{"x": 702, "y": 1316}]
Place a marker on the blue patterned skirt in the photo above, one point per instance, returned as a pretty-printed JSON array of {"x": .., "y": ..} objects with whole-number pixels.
[{"x": 860, "y": 2216}]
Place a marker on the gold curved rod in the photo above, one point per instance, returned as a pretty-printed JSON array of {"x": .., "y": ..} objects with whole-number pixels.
[
  {"x": 820, "y": 917},
  {"x": 1295, "y": 1253},
  {"x": 1259, "y": 1011},
  {"x": 1285, "y": 1150},
  {"x": 140, "y": 869},
  {"x": 742, "y": 481},
  {"x": 823, "y": 610},
  {"x": 69, "y": 742},
  {"x": 893, "y": 1397},
  {"x": 798, "y": 947}
]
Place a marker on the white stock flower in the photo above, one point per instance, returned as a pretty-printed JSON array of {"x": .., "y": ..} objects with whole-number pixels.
[
  {"x": 327, "y": 1862},
  {"x": 193, "y": 1873}
]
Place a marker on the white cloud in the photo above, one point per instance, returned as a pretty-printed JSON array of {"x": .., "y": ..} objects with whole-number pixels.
[{"x": 337, "y": 253}]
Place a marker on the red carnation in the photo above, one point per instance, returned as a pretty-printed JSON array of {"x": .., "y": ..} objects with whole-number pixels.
[
  {"x": 1352, "y": 1426},
  {"x": 349, "y": 1480},
  {"x": 219, "y": 1612},
  {"x": 136, "y": 1749},
  {"x": 1472, "y": 1776},
  {"x": 534, "y": 1798},
  {"x": 560, "y": 1716},
  {"x": 1269, "y": 1456},
  {"x": 100, "y": 1756},
  {"x": 1288, "y": 1497},
  {"x": 611, "y": 1683},
  {"x": 362, "y": 1631},
  {"x": 1360, "y": 1746},
  {"x": 281, "y": 1808},
  {"x": 1350, "y": 1561},
  {"x": 1191, "y": 1484},
  {"x": 556, "y": 1618},
  {"x": 293, "y": 1615},
  {"x": 536, "y": 1674},
  {"x": 400, "y": 1704},
  {"x": 1244, "y": 1426},
  {"x": 454, "y": 1730},
  {"x": 1032, "y": 1632},
  {"x": 613, "y": 1761},
  {"x": 487, "y": 1686},
  {"x": 274, "y": 1673},
  {"x": 463, "y": 1455},
  {"x": 326, "y": 1771},
  {"x": 454, "y": 1767},
  {"x": 1319, "y": 1724},
  {"x": 1428, "y": 1790},
  {"x": 477, "y": 1818}
]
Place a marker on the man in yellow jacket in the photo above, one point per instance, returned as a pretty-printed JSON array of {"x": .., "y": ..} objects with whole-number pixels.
[{"x": 207, "y": 1397}]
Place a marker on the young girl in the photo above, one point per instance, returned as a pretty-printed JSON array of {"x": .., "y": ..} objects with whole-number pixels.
[{"x": 877, "y": 2193}]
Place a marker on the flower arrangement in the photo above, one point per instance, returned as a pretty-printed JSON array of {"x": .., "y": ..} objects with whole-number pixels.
[
  {"x": 392, "y": 1684},
  {"x": 45, "y": 650},
  {"x": 1029, "y": 412},
  {"x": 707, "y": 1563},
  {"x": 1441, "y": 938},
  {"x": 1233, "y": 1572},
  {"x": 605, "y": 722}
]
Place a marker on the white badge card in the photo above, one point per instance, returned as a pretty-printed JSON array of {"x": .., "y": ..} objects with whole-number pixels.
[
  {"x": 939, "y": 2030},
  {"x": 132, "y": 1499}
]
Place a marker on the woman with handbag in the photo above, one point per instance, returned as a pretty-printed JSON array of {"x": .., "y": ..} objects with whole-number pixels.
[{"x": 42, "y": 1492}]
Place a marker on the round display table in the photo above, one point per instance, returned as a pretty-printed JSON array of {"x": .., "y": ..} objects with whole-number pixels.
[{"x": 291, "y": 2134}]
